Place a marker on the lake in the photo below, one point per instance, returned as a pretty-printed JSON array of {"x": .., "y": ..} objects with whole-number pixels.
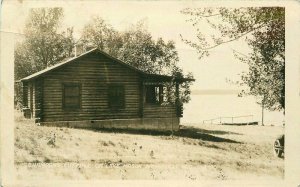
[{"x": 204, "y": 107}]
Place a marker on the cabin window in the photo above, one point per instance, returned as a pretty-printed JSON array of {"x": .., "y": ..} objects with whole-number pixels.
[
  {"x": 154, "y": 94},
  {"x": 71, "y": 95},
  {"x": 116, "y": 96}
]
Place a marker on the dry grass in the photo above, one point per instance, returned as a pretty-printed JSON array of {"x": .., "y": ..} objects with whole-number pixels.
[{"x": 194, "y": 153}]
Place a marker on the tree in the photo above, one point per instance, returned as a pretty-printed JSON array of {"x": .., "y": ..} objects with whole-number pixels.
[
  {"x": 136, "y": 47},
  {"x": 99, "y": 34},
  {"x": 263, "y": 28},
  {"x": 43, "y": 45}
]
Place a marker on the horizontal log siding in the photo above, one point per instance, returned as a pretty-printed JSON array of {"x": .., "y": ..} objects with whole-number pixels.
[
  {"x": 38, "y": 99},
  {"x": 159, "y": 111},
  {"x": 95, "y": 75}
]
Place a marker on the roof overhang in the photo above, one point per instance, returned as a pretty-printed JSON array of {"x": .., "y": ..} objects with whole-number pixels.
[
  {"x": 49, "y": 69},
  {"x": 165, "y": 78},
  {"x": 146, "y": 76}
]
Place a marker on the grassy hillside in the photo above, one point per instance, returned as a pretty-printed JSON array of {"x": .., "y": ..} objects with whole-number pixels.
[{"x": 202, "y": 152}]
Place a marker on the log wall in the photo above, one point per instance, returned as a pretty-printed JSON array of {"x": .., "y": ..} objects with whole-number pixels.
[
  {"x": 95, "y": 74},
  {"x": 159, "y": 111},
  {"x": 158, "y": 124}
]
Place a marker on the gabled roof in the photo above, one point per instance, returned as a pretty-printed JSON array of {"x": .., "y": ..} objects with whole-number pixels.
[{"x": 56, "y": 66}]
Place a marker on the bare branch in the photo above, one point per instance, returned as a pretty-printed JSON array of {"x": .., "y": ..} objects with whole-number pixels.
[
  {"x": 235, "y": 51},
  {"x": 236, "y": 38},
  {"x": 207, "y": 16}
]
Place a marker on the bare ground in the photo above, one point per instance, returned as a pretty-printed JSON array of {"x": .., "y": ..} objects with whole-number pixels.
[{"x": 195, "y": 153}]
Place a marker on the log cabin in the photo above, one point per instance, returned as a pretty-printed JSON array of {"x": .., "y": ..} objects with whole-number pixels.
[{"x": 96, "y": 90}]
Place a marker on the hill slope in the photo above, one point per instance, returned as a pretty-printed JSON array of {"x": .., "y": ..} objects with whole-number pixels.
[{"x": 202, "y": 152}]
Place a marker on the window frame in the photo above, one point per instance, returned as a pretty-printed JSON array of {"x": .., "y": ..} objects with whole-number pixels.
[
  {"x": 68, "y": 108},
  {"x": 159, "y": 94},
  {"x": 116, "y": 107}
]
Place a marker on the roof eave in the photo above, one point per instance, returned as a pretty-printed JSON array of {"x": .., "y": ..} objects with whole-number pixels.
[
  {"x": 40, "y": 73},
  {"x": 168, "y": 78},
  {"x": 185, "y": 80},
  {"x": 144, "y": 74}
]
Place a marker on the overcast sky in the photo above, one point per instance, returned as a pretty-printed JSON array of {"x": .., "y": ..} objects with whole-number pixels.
[{"x": 163, "y": 19}]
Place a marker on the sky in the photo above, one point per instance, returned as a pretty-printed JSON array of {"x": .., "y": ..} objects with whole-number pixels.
[{"x": 163, "y": 20}]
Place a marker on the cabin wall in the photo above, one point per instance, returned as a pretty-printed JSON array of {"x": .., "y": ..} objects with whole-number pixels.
[
  {"x": 95, "y": 74},
  {"x": 157, "y": 124},
  {"x": 159, "y": 111}
]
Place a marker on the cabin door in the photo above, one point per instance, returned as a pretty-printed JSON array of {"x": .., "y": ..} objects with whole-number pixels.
[{"x": 31, "y": 100}]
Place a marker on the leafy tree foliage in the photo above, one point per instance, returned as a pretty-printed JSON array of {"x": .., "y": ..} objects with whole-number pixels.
[
  {"x": 136, "y": 47},
  {"x": 43, "y": 45},
  {"x": 99, "y": 34},
  {"x": 263, "y": 28}
]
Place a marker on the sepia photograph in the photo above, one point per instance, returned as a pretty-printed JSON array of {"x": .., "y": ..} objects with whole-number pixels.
[{"x": 147, "y": 90}]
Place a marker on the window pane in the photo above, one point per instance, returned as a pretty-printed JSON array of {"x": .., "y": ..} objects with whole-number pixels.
[
  {"x": 71, "y": 101},
  {"x": 72, "y": 96},
  {"x": 71, "y": 90},
  {"x": 116, "y": 96},
  {"x": 150, "y": 94},
  {"x": 153, "y": 94},
  {"x": 157, "y": 94}
]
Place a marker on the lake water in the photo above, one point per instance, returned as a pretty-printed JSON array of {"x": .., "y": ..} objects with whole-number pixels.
[{"x": 204, "y": 107}]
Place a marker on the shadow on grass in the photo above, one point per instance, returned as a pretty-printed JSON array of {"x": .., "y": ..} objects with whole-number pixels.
[
  {"x": 202, "y": 134},
  {"x": 185, "y": 132},
  {"x": 219, "y": 132}
]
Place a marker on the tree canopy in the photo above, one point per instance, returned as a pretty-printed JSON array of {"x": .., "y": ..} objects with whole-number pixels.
[
  {"x": 44, "y": 44},
  {"x": 263, "y": 28},
  {"x": 134, "y": 46},
  {"x": 137, "y": 47}
]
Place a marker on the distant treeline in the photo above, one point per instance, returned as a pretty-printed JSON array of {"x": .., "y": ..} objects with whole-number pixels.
[{"x": 215, "y": 92}]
